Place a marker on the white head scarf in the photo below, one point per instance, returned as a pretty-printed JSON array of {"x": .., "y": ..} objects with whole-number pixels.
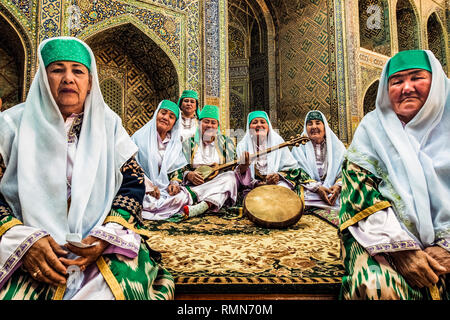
[
  {"x": 335, "y": 155},
  {"x": 146, "y": 139},
  {"x": 278, "y": 160},
  {"x": 413, "y": 162},
  {"x": 33, "y": 143}
]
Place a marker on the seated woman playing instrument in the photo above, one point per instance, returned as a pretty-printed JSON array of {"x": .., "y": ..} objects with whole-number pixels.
[
  {"x": 160, "y": 156},
  {"x": 209, "y": 147},
  {"x": 277, "y": 167},
  {"x": 68, "y": 174},
  {"x": 321, "y": 162}
]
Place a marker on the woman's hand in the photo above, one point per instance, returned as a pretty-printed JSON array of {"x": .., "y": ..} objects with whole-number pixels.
[
  {"x": 42, "y": 262},
  {"x": 272, "y": 178},
  {"x": 244, "y": 162},
  {"x": 323, "y": 192},
  {"x": 417, "y": 267},
  {"x": 440, "y": 255},
  {"x": 335, "y": 192},
  {"x": 155, "y": 193},
  {"x": 87, "y": 256},
  {"x": 195, "y": 177},
  {"x": 173, "y": 189}
]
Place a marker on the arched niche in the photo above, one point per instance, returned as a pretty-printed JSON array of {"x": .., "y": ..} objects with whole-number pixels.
[
  {"x": 248, "y": 57},
  {"x": 12, "y": 64},
  {"x": 370, "y": 97},
  {"x": 144, "y": 71},
  {"x": 407, "y": 26},
  {"x": 436, "y": 40}
]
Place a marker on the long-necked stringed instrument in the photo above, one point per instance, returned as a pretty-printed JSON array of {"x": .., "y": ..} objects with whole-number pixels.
[{"x": 209, "y": 172}]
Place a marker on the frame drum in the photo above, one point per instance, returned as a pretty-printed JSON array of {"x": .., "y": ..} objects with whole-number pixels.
[{"x": 273, "y": 206}]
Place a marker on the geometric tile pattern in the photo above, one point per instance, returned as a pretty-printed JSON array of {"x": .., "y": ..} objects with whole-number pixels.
[
  {"x": 305, "y": 64},
  {"x": 374, "y": 26},
  {"x": 407, "y": 26},
  {"x": 436, "y": 40},
  {"x": 212, "y": 49}
]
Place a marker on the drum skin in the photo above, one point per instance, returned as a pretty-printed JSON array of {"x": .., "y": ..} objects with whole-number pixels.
[{"x": 272, "y": 206}]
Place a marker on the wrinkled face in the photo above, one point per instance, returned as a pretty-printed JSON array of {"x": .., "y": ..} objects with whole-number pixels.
[
  {"x": 188, "y": 106},
  {"x": 259, "y": 128},
  {"x": 408, "y": 91},
  {"x": 165, "y": 119},
  {"x": 208, "y": 128},
  {"x": 315, "y": 130},
  {"x": 69, "y": 84}
]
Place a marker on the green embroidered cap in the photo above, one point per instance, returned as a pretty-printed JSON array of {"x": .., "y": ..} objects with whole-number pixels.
[
  {"x": 314, "y": 115},
  {"x": 169, "y": 105},
  {"x": 409, "y": 59},
  {"x": 65, "y": 50},
  {"x": 189, "y": 94},
  {"x": 209, "y": 111},
  {"x": 257, "y": 114}
]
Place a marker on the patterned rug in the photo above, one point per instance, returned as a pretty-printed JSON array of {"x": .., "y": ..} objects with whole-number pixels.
[{"x": 226, "y": 252}]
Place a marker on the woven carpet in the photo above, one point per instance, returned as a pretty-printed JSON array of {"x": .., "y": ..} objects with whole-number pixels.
[{"x": 226, "y": 252}]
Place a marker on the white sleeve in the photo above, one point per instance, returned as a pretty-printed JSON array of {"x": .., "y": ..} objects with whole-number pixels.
[
  {"x": 14, "y": 243},
  {"x": 381, "y": 232}
]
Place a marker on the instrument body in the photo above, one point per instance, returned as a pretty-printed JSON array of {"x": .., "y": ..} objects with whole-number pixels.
[
  {"x": 209, "y": 172},
  {"x": 273, "y": 206}
]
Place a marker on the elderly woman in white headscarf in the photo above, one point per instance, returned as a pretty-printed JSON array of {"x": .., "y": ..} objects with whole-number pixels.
[
  {"x": 277, "y": 167},
  {"x": 321, "y": 160},
  {"x": 395, "y": 214},
  {"x": 161, "y": 156},
  {"x": 71, "y": 191}
]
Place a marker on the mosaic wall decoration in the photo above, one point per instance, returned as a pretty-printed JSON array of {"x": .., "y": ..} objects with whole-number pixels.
[
  {"x": 238, "y": 107},
  {"x": 172, "y": 25},
  {"x": 238, "y": 77},
  {"x": 306, "y": 64},
  {"x": 212, "y": 49},
  {"x": 436, "y": 40},
  {"x": 447, "y": 15},
  {"x": 374, "y": 26},
  {"x": 113, "y": 94},
  {"x": 337, "y": 72},
  {"x": 407, "y": 26},
  {"x": 165, "y": 27},
  {"x": 50, "y": 25},
  {"x": 236, "y": 44}
]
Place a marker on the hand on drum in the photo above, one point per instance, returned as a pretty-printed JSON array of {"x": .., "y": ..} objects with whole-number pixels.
[{"x": 272, "y": 178}]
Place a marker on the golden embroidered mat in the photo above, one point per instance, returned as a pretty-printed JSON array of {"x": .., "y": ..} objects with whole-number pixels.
[{"x": 218, "y": 253}]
